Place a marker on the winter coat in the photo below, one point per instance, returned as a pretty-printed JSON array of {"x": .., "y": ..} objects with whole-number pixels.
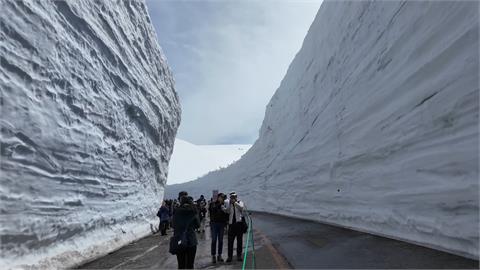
[
  {"x": 239, "y": 206},
  {"x": 218, "y": 212},
  {"x": 186, "y": 214},
  {"x": 163, "y": 214}
]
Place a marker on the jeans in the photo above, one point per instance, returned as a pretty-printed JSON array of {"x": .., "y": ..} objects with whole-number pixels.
[
  {"x": 217, "y": 233},
  {"x": 235, "y": 231},
  {"x": 163, "y": 227},
  {"x": 186, "y": 259}
]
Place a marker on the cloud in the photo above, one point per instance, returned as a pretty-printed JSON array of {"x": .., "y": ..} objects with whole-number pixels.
[{"x": 228, "y": 58}]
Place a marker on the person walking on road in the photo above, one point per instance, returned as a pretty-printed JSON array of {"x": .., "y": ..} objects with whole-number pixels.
[
  {"x": 164, "y": 216},
  {"x": 235, "y": 226},
  {"x": 218, "y": 218},
  {"x": 202, "y": 211},
  {"x": 185, "y": 219}
]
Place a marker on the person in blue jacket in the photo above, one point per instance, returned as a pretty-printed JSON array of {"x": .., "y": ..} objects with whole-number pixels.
[{"x": 164, "y": 215}]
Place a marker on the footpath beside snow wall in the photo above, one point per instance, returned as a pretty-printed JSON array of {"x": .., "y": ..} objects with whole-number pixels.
[
  {"x": 374, "y": 127},
  {"x": 88, "y": 120}
]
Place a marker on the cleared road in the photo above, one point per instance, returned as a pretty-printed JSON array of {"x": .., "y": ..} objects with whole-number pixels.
[
  {"x": 151, "y": 252},
  {"x": 282, "y": 242},
  {"x": 307, "y": 244}
]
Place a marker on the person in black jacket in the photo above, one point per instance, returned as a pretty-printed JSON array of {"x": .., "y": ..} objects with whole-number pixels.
[
  {"x": 218, "y": 218},
  {"x": 202, "y": 211},
  {"x": 186, "y": 219}
]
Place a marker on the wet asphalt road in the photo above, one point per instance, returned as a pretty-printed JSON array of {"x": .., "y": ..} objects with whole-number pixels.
[
  {"x": 282, "y": 242},
  {"x": 151, "y": 252},
  {"x": 307, "y": 244}
]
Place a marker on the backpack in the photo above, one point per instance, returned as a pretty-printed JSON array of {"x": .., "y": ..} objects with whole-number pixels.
[{"x": 179, "y": 243}]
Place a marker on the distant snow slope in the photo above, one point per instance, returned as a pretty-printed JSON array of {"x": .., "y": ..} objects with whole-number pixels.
[
  {"x": 88, "y": 120},
  {"x": 190, "y": 161},
  {"x": 375, "y": 126}
]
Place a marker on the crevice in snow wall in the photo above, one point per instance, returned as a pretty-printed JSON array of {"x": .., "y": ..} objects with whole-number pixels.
[
  {"x": 89, "y": 114},
  {"x": 374, "y": 127}
]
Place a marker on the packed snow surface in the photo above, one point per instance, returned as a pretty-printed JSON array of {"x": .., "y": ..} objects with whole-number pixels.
[
  {"x": 190, "y": 161},
  {"x": 374, "y": 127},
  {"x": 88, "y": 120}
]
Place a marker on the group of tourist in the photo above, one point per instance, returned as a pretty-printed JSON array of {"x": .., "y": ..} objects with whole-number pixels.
[{"x": 187, "y": 216}]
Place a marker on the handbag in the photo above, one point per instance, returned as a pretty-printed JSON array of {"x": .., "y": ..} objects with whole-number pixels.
[
  {"x": 179, "y": 243},
  {"x": 244, "y": 225}
]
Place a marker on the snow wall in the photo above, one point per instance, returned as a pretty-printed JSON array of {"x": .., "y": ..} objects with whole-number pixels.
[
  {"x": 190, "y": 161},
  {"x": 374, "y": 127},
  {"x": 88, "y": 119}
]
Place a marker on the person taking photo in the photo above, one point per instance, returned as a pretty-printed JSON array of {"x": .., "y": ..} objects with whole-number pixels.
[
  {"x": 235, "y": 226},
  {"x": 218, "y": 218}
]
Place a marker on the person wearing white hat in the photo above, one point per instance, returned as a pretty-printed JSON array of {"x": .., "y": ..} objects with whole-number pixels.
[{"x": 235, "y": 227}]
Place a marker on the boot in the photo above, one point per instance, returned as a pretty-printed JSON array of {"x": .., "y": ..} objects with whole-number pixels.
[
  {"x": 239, "y": 258},
  {"x": 229, "y": 259},
  {"x": 214, "y": 260},
  {"x": 219, "y": 258}
]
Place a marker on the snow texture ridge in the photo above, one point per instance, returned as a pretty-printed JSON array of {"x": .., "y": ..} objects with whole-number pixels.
[
  {"x": 374, "y": 127},
  {"x": 88, "y": 120}
]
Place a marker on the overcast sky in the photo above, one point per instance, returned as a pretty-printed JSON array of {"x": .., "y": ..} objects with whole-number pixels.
[{"x": 228, "y": 58}]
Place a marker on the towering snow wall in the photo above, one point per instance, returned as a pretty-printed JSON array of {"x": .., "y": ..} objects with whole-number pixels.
[
  {"x": 88, "y": 120},
  {"x": 374, "y": 127}
]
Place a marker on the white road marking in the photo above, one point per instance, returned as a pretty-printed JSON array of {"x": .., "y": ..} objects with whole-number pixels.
[{"x": 136, "y": 257}]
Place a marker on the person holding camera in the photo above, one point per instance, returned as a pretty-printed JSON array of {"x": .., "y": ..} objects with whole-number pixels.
[
  {"x": 218, "y": 219},
  {"x": 235, "y": 226}
]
